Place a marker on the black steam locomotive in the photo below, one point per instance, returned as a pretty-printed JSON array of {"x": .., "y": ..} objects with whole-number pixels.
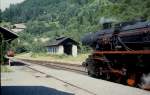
[{"x": 121, "y": 53}]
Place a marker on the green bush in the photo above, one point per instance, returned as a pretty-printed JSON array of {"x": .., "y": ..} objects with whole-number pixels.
[{"x": 5, "y": 69}]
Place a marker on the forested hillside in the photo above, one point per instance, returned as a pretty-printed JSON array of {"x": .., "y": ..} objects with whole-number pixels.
[{"x": 48, "y": 19}]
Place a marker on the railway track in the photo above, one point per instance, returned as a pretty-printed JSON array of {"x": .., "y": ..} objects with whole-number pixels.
[
  {"x": 60, "y": 66},
  {"x": 77, "y": 87},
  {"x": 77, "y": 69}
]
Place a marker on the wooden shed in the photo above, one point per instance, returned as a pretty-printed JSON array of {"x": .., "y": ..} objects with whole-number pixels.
[
  {"x": 63, "y": 45},
  {"x": 6, "y": 36}
]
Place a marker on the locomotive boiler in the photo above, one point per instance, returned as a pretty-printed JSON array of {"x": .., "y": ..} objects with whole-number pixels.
[{"x": 121, "y": 53}]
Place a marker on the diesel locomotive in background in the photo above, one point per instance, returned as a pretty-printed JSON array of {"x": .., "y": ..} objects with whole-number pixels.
[{"x": 121, "y": 53}]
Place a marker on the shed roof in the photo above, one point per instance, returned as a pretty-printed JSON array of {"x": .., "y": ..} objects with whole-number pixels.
[
  {"x": 20, "y": 26},
  {"x": 7, "y": 34},
  {"x": 62, "y": 41}
]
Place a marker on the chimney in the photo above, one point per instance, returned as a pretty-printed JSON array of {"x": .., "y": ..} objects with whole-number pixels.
[{"x": 107, "y": 25}]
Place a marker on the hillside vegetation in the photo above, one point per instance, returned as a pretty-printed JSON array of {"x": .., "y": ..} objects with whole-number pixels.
[{"x": 48, "y": 19}]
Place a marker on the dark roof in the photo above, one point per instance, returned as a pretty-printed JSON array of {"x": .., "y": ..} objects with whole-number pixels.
[
  {"x": 62, "y": 41},
  {"x": 7, "y": 34}
]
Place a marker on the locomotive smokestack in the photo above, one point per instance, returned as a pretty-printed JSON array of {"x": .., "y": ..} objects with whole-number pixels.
[{"x": 107, "y": 25}]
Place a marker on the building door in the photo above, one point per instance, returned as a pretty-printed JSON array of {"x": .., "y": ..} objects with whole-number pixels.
[{"x": 68, "y": 49}]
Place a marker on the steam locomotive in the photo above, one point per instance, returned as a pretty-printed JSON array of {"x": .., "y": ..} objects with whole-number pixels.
[{"x": 120, "y": 53}]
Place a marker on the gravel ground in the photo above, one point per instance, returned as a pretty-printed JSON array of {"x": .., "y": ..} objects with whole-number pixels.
[
  {"x": 24, "y": 81},
  {"x": 96, "y": 86}
]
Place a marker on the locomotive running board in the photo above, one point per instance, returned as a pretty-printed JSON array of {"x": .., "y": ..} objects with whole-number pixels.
[{"x": 123, "y": 52}]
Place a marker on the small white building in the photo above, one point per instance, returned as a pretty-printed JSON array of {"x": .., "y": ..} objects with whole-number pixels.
[
  {"x": 63, "y": 45},
  {"x": 18, "y": 27}
]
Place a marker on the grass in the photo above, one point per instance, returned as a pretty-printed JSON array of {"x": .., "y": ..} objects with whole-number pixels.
[
  {"x": 57, "y": 58},
  {"x": 5, "y": 68}
]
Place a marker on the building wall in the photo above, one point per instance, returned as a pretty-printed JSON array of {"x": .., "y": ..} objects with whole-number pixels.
[
  {"x": 52, "y": 50},
  {"x": 56, "y": 50},
  {"x": 60, "y": 50},
  {"x": 74, "y": 50}
]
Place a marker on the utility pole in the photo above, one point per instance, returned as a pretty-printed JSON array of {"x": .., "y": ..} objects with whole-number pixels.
[{"x": 1, "y": 48}]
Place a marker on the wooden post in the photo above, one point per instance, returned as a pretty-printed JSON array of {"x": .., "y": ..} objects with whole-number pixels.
[
  {"x": 9, "y": 62},
  {"x": 1, "y": 49}
]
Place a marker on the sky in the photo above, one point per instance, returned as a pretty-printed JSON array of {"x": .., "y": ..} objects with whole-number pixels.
[{"x": 6, "y": 3}]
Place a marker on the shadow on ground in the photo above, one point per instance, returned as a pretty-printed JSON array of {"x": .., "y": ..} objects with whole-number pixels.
[
  {"x": 17, "y": 64},
  {"x": 31, "y": 90}
]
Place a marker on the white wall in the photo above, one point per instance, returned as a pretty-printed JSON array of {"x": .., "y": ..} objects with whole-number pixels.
[
  {"x": 60, "y": 49},
  {"x": 74, "y": 50}
]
